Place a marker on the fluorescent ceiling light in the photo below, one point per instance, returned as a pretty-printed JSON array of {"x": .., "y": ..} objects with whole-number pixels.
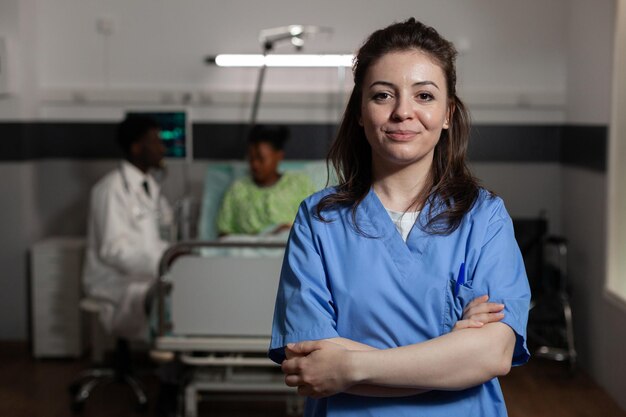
[{"x": 283, "y": 60}]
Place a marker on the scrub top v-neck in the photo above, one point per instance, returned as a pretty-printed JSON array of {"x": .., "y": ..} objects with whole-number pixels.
[
  {"x": 364, "y": 283},
  {"x": 403, "y": 221}
]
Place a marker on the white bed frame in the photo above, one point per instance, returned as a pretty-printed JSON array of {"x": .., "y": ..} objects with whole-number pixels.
[{"x": 221, "y": 310}]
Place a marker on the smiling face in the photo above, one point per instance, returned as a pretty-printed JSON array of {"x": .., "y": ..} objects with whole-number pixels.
[{"x": 404, "y": 108}]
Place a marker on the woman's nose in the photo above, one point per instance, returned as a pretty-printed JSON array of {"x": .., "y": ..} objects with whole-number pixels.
[{"x": 403, "y": 109}]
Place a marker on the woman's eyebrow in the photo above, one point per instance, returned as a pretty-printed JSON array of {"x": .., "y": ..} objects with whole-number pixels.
[
  {"x": 417, "y": 84},
  {"x": 427, "y": 82},
  {"x": 383, "y": 83}
]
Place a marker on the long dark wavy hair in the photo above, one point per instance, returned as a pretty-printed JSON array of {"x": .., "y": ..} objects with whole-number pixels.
[{"x": 451, "y": 189}]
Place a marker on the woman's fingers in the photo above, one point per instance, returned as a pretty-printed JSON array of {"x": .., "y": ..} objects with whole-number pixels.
[
  {"x": 478, "y": 300},
  {"x": 290, "y": 366},
  {"x": 293, "y": 380},
  {"x": 306, "y": 347},
  {"x": 471, "y": 311},
  {"x": 467, "y": 324},
  {"x": 321, "y": 372},
  {"x": 488, "y": 317},
  {"x": 304, "y": 390},
  {"x": 478, "y": 321},
  {"x": 480, "y": 311},
  {"x": 290, "y": 353}
]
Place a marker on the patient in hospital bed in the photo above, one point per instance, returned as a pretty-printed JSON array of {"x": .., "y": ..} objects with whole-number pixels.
[{"x": 264, "y": 202}]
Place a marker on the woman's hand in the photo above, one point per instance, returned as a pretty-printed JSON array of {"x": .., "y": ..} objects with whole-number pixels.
[
  {"x": 318, "y": 368},
  {"x": 479, "y": 312}
]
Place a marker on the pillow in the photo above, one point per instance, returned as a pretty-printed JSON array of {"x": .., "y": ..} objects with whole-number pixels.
[{"x": 218, "y": 177}]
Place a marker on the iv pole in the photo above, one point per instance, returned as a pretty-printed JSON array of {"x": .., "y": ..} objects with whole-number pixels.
[{"x": 267, "y": 46}]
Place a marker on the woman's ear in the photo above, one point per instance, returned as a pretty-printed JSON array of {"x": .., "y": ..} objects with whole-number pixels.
[{"x": 449, "y": 114}]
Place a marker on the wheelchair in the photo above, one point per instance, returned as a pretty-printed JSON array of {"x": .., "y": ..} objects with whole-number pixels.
[{"x": 550, "y": 320}]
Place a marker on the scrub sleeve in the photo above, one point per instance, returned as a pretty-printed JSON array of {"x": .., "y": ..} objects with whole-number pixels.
[
  {"x": 304, "y": 308},
  {"x": 501, "y": 274}
]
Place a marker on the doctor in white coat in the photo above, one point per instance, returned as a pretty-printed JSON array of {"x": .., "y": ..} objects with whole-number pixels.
[{"x": 124, "y": 242}]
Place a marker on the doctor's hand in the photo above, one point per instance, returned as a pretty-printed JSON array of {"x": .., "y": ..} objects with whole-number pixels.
[
  {"x": 318, "y": 368},
  {"x": 479, "y": 312}
]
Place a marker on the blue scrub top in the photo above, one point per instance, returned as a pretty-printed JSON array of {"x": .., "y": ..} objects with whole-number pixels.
[{"x": 381, "y": 291}]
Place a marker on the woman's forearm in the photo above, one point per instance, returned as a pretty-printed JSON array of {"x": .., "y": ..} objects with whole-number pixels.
[
  {"x": 454, "y": 361},
  {"x": 351, "y": 344},
  {"x": 441, "y": 364},
  {"x": 372, "y": 390}
]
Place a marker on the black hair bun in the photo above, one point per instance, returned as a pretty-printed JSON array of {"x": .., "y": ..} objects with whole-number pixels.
[{"x": 276, "y": 136}]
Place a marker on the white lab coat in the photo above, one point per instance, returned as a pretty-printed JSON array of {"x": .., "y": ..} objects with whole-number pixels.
[{"x": 124, "y": 247}]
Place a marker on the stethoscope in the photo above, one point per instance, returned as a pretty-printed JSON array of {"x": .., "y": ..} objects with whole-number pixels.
[{"x": 142, "y": 209}]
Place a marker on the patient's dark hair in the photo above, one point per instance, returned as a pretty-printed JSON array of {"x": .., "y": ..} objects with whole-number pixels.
[
  {"x": 451, "y": 189},
  {"x": 276, "y": 136},
  {"x": 133, "y": 128}
]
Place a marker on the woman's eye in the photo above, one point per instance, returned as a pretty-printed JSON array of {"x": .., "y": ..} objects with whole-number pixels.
[
  {"x": 425, "y": 96},
  {"x": 381, "y": 96}
]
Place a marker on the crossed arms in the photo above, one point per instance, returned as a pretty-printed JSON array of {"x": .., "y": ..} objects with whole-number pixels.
[{"x": 478, "y": 349}]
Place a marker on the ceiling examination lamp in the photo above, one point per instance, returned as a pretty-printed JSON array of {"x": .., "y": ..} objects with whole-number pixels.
[
  {"x": 282, "y": 60},
  {"x": 295, "y": 34},
  {"x": 292, "y": 33},
  {"x": 269, "y": 39}
]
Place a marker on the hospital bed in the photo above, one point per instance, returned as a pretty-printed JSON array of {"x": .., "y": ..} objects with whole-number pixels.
[
  {"x": 216, "y": 301},
  {"x": 215, "y": 312}
]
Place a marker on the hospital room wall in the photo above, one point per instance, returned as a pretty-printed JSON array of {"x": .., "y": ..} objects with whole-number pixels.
[
  {"x": 19, "y": 222},
  {"x": 50, "y": 195},
  {"x": 599, "y": 321},
  {"x": 522, "y": 42},
  {"x": 56, "y": 50},
  {"x": 18, "y": 225}
]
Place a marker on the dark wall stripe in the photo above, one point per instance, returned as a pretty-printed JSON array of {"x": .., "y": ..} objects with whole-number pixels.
[
  {"x": 219, "y": 141},
  {"x": 510, "y": 143},
  {"x": 585, "y": 146},
  {"x": 26, "y": 141},
  {"x": 79, "y": 140},
  {"x": 228, "y": 141},
  {"x": 15, "y": 141},
  {"x": 581, "y": 146}
]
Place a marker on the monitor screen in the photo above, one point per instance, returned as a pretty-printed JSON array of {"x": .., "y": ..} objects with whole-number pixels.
[{"x": 174, "y": 131}]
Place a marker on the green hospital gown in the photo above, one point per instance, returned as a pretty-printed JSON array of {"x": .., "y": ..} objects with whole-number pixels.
[{"x": 250, "y": 209}]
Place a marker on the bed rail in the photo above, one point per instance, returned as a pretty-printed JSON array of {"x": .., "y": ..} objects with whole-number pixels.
[{"x": 187, "y": 248}]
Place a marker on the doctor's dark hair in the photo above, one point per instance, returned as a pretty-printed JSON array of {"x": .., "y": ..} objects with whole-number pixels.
[
  {"x": 132, "y": 129},
  {"x": 275, "y": 136},
  {"x": 451, "y": 189}
]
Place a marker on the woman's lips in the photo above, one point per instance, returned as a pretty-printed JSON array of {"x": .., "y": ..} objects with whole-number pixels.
[{"x": 400, "y": 135}]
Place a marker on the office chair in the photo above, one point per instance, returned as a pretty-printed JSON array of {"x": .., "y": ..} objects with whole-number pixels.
[{"x": 120, "y": 372}]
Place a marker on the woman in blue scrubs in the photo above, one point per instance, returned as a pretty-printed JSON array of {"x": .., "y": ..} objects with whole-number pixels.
[{"x": 374, "y": 314}]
